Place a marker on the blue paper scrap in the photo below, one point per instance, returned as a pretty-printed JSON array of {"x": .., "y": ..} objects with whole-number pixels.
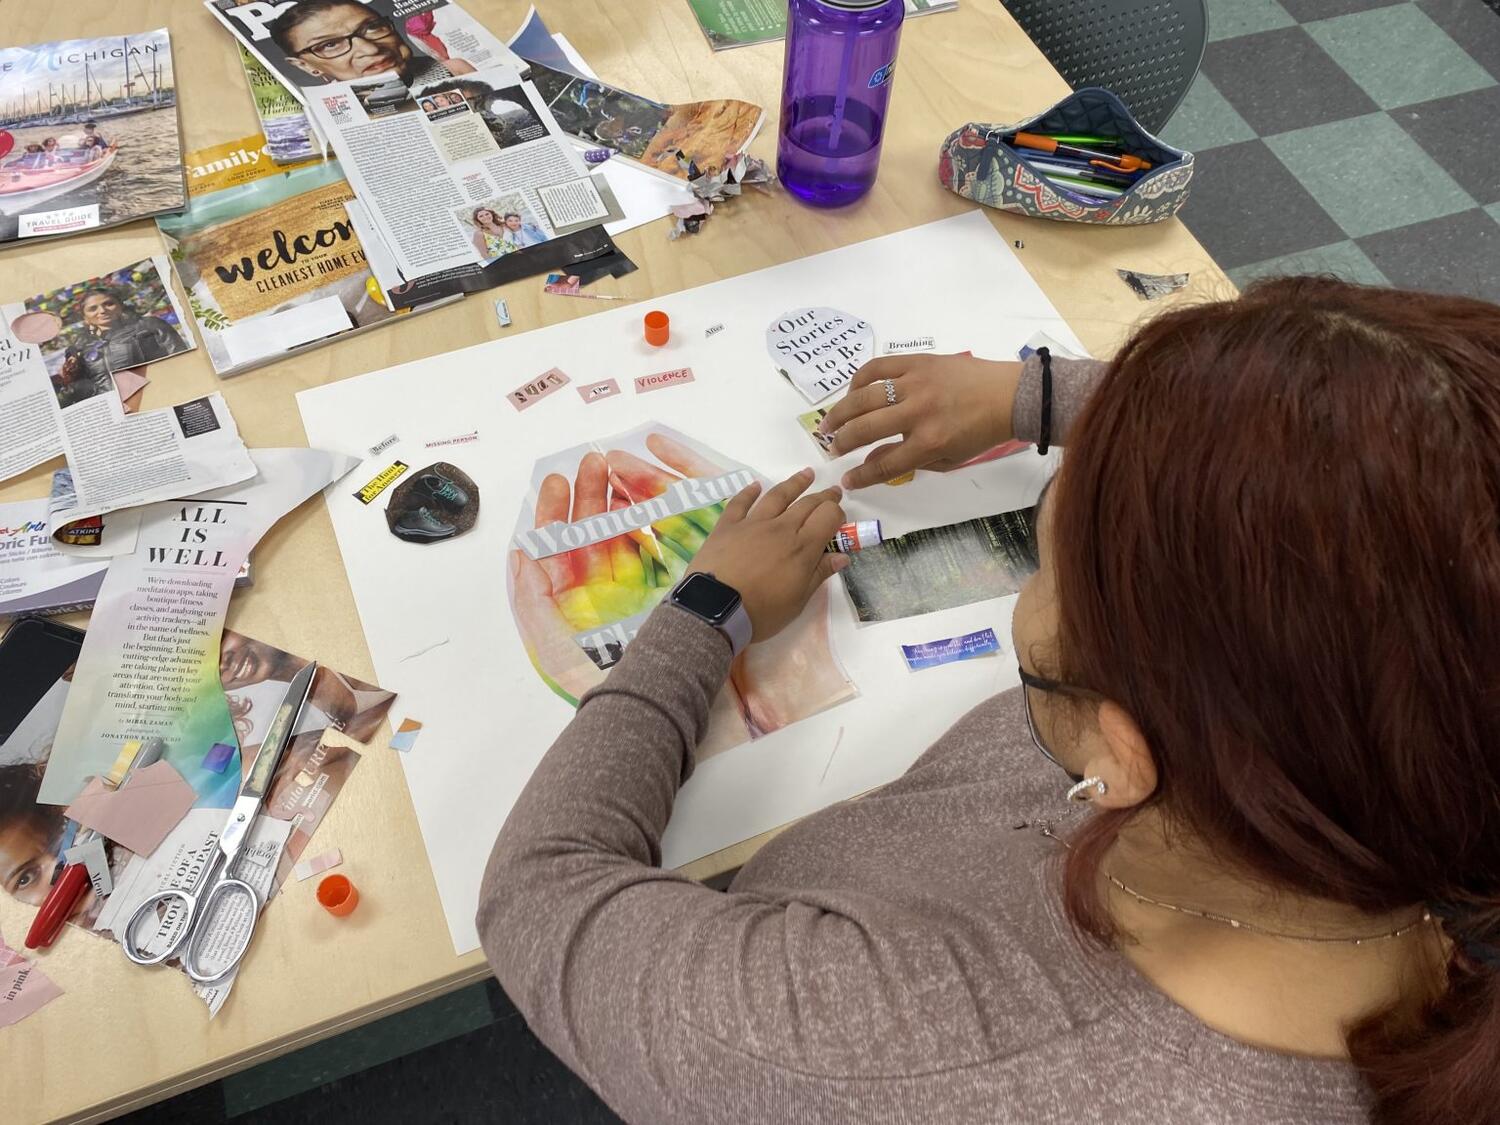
[{"x": 966, "y": 647}]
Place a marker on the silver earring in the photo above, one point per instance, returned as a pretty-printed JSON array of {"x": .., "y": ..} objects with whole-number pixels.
[{"x": 1087, "y": 789}]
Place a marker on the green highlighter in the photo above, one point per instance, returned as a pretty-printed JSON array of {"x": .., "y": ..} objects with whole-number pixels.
[{"x": 1083, "y": 139}]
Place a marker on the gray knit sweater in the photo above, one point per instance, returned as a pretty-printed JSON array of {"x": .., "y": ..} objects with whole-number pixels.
[{"x": 899, "y": 959}]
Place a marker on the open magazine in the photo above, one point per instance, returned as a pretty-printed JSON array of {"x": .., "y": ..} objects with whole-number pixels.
[
  {"x": 268, "y": 257},
  {"x": 320, "y": 44},
  {"x": 466, "y": 179},
  {"x": 88, "y": 134}
]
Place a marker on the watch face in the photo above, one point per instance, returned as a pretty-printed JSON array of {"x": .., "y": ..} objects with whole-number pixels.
[{"x": 706, "y": 596}]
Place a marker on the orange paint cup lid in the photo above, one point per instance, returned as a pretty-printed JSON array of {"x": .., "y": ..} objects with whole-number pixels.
[
  {"x": 337, "y": 895},
  {"x": 658, "y": 328}
]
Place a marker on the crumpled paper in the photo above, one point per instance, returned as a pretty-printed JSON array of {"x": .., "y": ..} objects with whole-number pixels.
[{"x": 716, "y": 187}]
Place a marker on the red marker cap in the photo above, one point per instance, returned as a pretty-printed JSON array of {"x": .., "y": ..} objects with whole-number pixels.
[
  {"x": 338, "y": 896},
  {"x": 658, "y": 328}
]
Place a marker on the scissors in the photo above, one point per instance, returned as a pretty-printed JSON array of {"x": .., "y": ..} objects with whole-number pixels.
[{"x": 187, "y": 911}]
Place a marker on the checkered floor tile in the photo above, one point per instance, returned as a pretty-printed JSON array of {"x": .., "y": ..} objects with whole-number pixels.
[{"x": 1355, "y": 137}]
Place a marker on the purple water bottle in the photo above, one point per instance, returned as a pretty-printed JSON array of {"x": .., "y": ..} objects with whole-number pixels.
[{"x": 840, "y": 60}]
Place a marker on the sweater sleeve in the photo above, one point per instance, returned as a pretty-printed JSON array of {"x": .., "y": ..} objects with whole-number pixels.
[
  {"x": 1073, "y": 382},
  {"x": 580, "y": 924},
  {"x": 673, "y": 1001}
]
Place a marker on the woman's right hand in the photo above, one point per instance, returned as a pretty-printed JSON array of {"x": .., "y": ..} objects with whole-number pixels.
[{"x": 949, "y": 409}]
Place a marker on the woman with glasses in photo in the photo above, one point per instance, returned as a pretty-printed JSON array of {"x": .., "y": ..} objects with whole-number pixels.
[{"x": 341, "y": 40}]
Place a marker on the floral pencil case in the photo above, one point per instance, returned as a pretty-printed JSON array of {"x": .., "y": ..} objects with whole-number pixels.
[{"x": 978, "y": 164}]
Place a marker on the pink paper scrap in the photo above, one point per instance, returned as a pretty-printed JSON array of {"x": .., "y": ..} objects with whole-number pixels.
[
  {"x": 663, "y": 379},
  {"x": 141, "y": 812},
  {"x": 528, "y": 394},
  {"x": 23, "y": 987},
  {"x": 316, "y": 865},
  {"x": 604, "y": 388}
]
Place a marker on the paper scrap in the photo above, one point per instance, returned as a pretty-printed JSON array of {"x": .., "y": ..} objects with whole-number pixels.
[
  {"x": 663, "y": 379},
  {"x": 1150, "y": 286},
  {"x": 712, "y": 330},
  {"x": 141, "y": 812},
  {"x": 129, "y": 382},
  {"x": 380, "y": 482},
  {"x": 502, "y": 312},
  {"x": 91, "y": 854},
  {"x": 23, "y": 989},
  {"x": 383, "y": 444},
  {"x": 571, "y": 285},
  {"x": 809, "y": 423},
  {"x": 405, "y": 736},
  {"x": 274, "y": 333},
  {"x": 604, "y": 388},
  {"x": 529, "y": 394},
  {"x": 219, "y": 755},
  {"x": 911, "y": 344},
  {"x": 819, "y": 349},
  {"x": 317, "y": 864},
  {"x": 932, "y": 653}
]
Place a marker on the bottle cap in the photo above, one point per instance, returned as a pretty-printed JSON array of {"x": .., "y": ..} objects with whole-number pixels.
[
  {"x": 658, "y": 328},
  {"x": 338, "y": 896}
]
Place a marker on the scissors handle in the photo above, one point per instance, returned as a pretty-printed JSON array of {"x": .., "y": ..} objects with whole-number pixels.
[
  {"x": 151, "y": 908},
  {"x": 228, "y": 957}
]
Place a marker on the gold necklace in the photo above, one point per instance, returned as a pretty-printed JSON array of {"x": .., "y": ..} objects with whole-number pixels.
[
  {"x": 1251, "y": 927},
  {"x": 1238, "y": 924}
]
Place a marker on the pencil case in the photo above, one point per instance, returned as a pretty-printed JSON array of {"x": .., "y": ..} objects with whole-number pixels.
[{"x": 976, "y": 163}]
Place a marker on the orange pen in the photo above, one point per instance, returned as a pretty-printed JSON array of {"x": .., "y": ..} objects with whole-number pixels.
[{"x": 1115, "y": 161}]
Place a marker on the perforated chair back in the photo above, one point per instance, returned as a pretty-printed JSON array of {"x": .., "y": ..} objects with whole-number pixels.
[{"x": 1146, "y": 51}]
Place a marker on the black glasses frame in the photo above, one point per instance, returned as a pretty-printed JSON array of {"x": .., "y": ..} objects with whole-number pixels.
[
  {"x": 1041, "y": 683},
  {"x": 381, "y": 29}
]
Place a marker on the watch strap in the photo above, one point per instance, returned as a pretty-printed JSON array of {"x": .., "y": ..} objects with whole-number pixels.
[{"x": 738, "y": 629}]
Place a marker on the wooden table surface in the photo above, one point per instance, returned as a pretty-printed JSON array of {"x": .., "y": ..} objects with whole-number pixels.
[{"x": 122, "y": 1036}]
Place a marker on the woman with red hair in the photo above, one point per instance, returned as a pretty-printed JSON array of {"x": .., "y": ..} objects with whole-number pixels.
[{"x": 1263, "y": 645}]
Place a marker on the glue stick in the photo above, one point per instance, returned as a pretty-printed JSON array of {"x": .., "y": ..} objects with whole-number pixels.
[{"x": 856, "y": 536}]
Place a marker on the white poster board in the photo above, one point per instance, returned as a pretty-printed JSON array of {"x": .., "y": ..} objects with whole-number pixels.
[{"x": 436, "y": 615}]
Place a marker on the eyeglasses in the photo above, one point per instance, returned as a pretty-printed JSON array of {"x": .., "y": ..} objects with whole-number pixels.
[
  {"x": 371, "y": 31},
  {"x": 1030, "y": 683}
]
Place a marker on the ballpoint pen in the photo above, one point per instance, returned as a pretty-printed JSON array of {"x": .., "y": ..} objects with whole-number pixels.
[
  {"x": 1091, "y": 175},
  {"x": 70, "y": 886}
]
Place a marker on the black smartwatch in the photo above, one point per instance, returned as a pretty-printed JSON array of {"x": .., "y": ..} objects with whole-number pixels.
[{"x": 703, "y": 595}]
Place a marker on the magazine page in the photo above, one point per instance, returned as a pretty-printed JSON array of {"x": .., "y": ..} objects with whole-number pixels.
[
  {"x": 648, "y": 132},
  {"x": 289, "y": 134},
  {"x": 88, "y": 134},
  {"x": 468, "y": 175},
  {"x": 28, "y": 430},
  {"x": 268, "y": 256},
  {"x": 87, "y": 333},
  {"x": 739, "y": 23},
  {"x": 319, "y": 44},
  {"x": 150, "y": 665}
]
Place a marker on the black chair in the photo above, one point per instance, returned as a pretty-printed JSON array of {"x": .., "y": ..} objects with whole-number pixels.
[{"x": 1146, "y": 51}]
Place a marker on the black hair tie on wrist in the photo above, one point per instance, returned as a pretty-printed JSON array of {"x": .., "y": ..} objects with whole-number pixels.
[{"x": 1044, "y": 431}]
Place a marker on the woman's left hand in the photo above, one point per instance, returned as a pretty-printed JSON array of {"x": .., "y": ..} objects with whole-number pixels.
[{"x": 771, "y": 549}]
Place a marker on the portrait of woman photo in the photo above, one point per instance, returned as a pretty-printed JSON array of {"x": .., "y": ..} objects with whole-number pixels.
[
  {"x": 341, "y": 40},
  {"x": 110, "y": 335}
]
